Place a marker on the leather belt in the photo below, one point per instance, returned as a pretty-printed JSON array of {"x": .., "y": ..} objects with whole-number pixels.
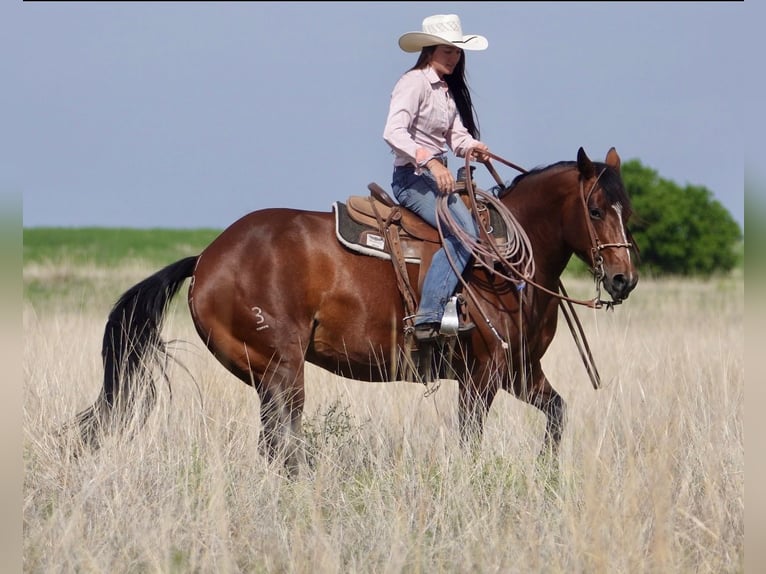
[{"x": 441, "y": 158}]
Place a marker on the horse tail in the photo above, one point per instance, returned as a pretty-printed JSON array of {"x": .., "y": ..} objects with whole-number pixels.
[{"x": 132, "y": 352}]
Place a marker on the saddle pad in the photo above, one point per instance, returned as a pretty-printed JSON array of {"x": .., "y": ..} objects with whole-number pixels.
[{"x": 361, "y": 238}]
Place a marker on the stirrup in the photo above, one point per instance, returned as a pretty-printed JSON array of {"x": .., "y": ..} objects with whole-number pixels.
[{"x": 451, "y": 324}]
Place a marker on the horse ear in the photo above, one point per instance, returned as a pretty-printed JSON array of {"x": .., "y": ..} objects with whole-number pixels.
[
  {"x": 584, "y": 164},
  {"x": 613, "y": 160}
]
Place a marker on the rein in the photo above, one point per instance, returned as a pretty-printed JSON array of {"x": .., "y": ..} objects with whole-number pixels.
[{"x": 523, "y": 258}]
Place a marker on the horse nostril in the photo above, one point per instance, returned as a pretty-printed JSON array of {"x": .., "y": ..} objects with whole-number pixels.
[{"x": 619, "y": 281}]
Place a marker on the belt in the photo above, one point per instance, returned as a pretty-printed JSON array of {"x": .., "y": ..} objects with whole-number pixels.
[{"x": 442, "y": 158}]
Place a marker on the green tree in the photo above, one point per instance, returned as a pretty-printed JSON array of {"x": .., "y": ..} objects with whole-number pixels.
[{"x": 679, "y": 230}]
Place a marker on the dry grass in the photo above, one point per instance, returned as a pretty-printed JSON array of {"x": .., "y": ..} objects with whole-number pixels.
[{"x": 651, "y": 476}]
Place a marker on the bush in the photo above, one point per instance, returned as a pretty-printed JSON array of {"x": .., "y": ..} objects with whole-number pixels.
[{"x": 681, "y": 231}]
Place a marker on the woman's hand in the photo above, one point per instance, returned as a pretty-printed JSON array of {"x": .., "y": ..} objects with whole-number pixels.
[
  {"x": 443, "y": 176},
  {"x": 478, "y": 152}
]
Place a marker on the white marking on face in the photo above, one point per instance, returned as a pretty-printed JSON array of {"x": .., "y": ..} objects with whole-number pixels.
[{"x": 618, "y": 209}]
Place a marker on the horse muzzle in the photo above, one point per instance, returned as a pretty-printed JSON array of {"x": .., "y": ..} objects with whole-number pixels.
[{"x": 619, "y": 285}]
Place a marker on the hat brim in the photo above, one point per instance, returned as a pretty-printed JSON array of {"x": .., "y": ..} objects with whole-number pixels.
[{"x": 416, "y": 41}]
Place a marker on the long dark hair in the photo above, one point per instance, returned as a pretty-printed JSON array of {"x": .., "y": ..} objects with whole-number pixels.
[{"x": 458, "y": 87}]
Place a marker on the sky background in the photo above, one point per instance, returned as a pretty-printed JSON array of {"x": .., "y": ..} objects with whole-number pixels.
[{"x": 187, "y": 115}]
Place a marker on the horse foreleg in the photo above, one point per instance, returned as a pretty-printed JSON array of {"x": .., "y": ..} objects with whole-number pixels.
[
  {"x": 546, "y": 398},
  {"x": 473, "y": 406}
]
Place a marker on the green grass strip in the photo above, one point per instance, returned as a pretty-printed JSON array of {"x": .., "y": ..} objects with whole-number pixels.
[{"x": 110, "y": 246}]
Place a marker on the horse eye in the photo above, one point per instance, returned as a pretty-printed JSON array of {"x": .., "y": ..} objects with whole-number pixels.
[{"x": 596, "y": 213}]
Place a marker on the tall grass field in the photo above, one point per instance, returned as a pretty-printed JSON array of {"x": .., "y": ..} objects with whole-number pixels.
[{"x": 650, "y": 476}]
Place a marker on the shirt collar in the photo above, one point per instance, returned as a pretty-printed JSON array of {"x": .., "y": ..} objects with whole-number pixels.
[{"x": 432, "y": 76}]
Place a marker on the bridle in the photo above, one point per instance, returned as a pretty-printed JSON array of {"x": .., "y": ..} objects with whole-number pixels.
[{"x": 596, "y": 246}]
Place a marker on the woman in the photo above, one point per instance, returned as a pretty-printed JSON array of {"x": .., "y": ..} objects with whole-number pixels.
[{"x": 430, "y": 112}]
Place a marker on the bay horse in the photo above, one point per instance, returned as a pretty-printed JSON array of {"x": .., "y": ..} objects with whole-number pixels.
[{"x": 277, "y": 289}]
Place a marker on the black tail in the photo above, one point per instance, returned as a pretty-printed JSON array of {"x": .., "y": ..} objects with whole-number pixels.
[{"x": 131, "y": 351}]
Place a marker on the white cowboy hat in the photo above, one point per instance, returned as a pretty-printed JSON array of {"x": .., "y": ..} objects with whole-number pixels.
[{"x": 441, "y": 29}]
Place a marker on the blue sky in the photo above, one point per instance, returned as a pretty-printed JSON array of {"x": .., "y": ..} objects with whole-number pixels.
[{"x": 194, "y": 114}]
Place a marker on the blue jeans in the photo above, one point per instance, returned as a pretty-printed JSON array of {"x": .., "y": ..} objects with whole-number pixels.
[{"x": 418, "y": 193}]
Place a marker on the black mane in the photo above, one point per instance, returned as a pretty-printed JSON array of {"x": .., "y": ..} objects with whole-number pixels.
[{"x": 610, "y": 181}]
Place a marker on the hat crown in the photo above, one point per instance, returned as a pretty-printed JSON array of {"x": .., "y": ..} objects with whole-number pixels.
[
  {"x": 446, "y": 26},
  {"x": 441, "y": 29}
]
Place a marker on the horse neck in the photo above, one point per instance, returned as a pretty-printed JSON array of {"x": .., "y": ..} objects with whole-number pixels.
[{"x": 540, "y": 203}]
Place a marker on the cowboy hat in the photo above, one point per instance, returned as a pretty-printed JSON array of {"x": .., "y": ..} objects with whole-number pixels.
[{"x": 441, "y": 29}]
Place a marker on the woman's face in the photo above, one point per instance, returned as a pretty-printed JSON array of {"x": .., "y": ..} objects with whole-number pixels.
[{"x": 445, "y": 58}]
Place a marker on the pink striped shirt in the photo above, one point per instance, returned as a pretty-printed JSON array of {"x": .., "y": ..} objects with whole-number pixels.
[{"x": 422, "y": 113}]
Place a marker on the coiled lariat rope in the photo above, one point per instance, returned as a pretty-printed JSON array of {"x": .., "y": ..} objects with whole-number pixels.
[{"x": 515, "y": 255}]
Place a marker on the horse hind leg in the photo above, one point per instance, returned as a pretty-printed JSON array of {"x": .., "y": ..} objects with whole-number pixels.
[
  {"x": 278, "y": 378},
  {"x": 281, "y": 439},
  {"x": 282, "y": 395}
]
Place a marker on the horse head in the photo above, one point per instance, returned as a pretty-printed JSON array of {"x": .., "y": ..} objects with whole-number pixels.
[{"x": 600, "y": 235}]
